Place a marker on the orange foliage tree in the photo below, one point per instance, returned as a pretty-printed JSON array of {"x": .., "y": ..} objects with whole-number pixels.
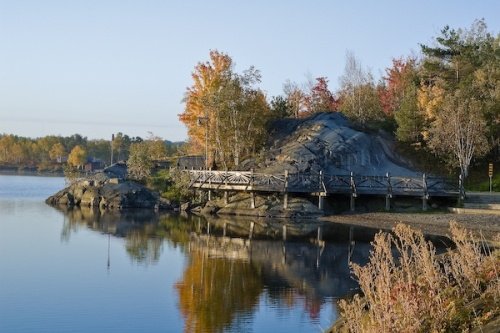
[{"x": 223, "y": 108}]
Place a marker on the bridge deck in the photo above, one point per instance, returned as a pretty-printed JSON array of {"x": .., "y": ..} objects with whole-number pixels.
[{"x": 322, "y": 183}]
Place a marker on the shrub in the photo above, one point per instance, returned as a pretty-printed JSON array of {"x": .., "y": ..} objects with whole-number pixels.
[
  {"x": 408, "y": 288},
  {"x": 172, "y": 184}
]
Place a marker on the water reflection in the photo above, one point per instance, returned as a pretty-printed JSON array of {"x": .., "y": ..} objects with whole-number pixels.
[
  {"x": 214, "y": 292},
  {"x": 144, "y": 231},
  {"x": 225, "y": 279}
]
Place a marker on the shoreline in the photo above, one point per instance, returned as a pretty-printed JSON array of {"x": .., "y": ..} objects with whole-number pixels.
[
  {"x": 484, "y": 226},
  {"x": 31, "y": 173}
]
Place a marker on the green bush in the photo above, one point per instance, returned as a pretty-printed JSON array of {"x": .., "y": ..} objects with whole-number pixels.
[
  {"x": 172, "y": 184},
  {"x": 482, "y": 183}
]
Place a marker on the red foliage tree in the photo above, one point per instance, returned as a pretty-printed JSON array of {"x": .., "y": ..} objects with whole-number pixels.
[
  {"x": 397, "y": 79},
  {"x": 320, "y": 98}
]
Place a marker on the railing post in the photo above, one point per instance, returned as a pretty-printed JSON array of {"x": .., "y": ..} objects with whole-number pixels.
[
  {"x": 388, "y": 196},
  {"x": 209, "y": 184},
  {"x": 285, "y": 199},
  {"x": 284, "y": 232},
  {"x": 224, "y": 229},
  {"x": 252, "y": 194},
  {"x": 320, "y": 193},
  {"x": 425, "y": 195},
  {"x": 226, "y": 197},
  {"x": 353, "y": 193}
]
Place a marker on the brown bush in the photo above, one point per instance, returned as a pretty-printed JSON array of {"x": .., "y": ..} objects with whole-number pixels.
[{"x": 408, "y": 288}]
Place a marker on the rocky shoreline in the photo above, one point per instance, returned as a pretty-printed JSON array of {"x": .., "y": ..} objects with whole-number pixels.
[{"x": 108, "y": 190}]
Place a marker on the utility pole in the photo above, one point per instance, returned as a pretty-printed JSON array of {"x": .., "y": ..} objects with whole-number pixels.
[{"x": 112, "y": 139}]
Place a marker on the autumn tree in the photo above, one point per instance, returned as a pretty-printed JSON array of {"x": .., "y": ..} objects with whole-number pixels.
[
  {"x": 143, "y": 155},
  {"x": 396, "y": 82},
  {"x": 120, "y": 145},
  {"x": 227, "y": 108},
  {"x": 295, "y": 97},
  {"x": 57, "y": 151},
  {"x": 139, "y": 163},
  {"x": 208, "y": 78},
  {"x": 156, "y": 147},
  {"x": 41, "y": 147},
  {"x": 77, "y": 157},
  {"x": 320, "y": 98},
  {"x": 6, "y": 144},
  {"x": 358, "y": 94},
  {"x": 398, "y": 95},
  {"x": 459, "y": 131}
]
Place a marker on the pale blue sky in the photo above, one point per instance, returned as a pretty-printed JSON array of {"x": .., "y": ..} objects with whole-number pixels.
[{"x": 96, "y": 67}]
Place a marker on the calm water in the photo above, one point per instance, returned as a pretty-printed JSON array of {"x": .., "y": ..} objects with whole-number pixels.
[{"x": 84, "y": 271}]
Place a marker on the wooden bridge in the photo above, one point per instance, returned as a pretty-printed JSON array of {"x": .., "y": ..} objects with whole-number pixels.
[{"x": 321, "y": 184}]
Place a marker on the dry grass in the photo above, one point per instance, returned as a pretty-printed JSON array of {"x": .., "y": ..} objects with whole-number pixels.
[{"x": 408, "y": 288}]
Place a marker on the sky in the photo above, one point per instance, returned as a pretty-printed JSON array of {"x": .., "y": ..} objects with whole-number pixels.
[{"x": 97, "y": 67}]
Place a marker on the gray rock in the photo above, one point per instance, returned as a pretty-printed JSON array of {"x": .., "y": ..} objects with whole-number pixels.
[
  {"x": 329, "y": 142},
  {"x": 185, "y": 207},
  {"x": 106, "y": 190}
]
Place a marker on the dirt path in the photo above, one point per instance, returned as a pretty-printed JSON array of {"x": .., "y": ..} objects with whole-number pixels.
[{"x": 431, "y": 223}]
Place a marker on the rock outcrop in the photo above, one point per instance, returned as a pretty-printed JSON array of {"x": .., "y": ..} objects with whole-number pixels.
[
  {"x": 270, "y": 206},
  {"x": 329, "y": 142},
  {"x": 108, "y": 190}
]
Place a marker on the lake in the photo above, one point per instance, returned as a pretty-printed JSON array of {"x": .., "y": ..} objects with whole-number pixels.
[{"x": 91, "y": 271}]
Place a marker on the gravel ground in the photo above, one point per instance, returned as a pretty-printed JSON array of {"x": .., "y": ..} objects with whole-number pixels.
[{"x": 430, "y": 223}]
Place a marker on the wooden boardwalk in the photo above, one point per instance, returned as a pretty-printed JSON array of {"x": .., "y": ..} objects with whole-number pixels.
[{"x": 323, "y": 184}]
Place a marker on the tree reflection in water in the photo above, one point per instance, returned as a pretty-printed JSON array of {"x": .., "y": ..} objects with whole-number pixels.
[
  {"x": 144, "y": 231},
  {"x": 221, "y": 286},
  {"x": 213, "y": 292}
]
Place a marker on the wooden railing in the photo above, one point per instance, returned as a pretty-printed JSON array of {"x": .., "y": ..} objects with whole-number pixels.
[{"x": 322, "y": 183}]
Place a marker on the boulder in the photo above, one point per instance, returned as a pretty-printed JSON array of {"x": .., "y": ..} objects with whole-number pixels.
[{"x": 91, "y": 198}]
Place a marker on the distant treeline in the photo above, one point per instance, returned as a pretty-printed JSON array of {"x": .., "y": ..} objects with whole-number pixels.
[{"x": 51, "y": 152}]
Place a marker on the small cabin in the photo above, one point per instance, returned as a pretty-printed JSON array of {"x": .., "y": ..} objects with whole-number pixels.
[{"x": 93, "y": 165}]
